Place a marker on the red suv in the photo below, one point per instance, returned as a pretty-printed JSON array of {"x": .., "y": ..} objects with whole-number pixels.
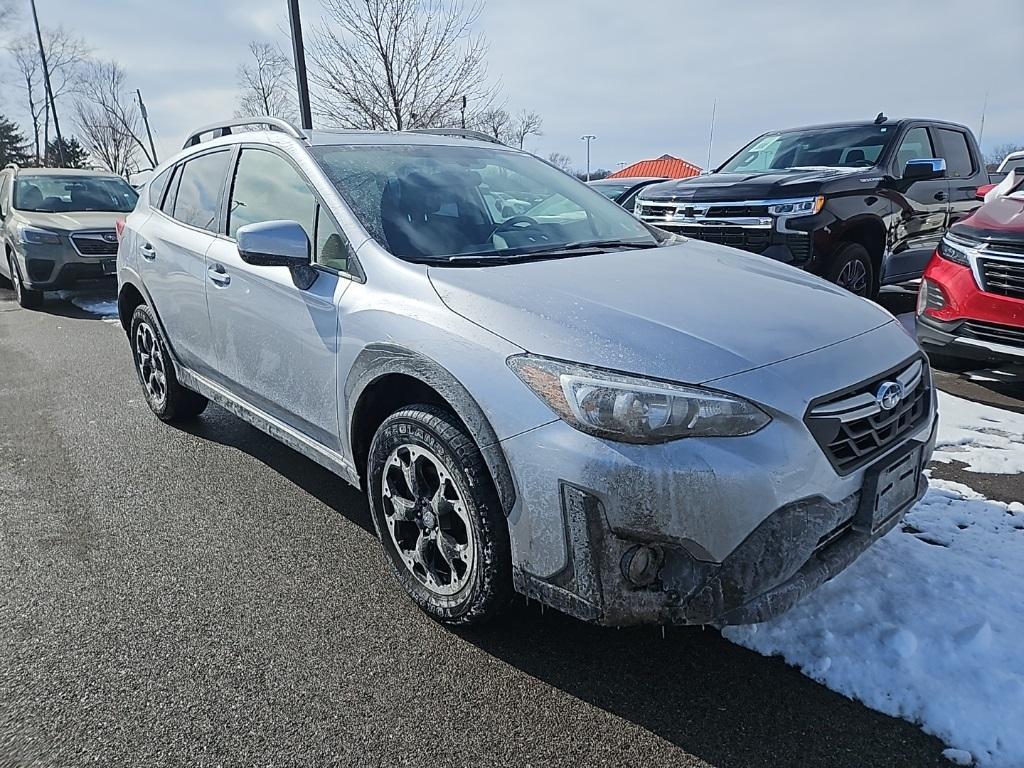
[{"x": 970, "y": 307}]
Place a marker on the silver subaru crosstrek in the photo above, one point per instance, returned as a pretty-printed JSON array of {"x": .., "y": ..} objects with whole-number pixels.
[{"x": 537, "y": 391}]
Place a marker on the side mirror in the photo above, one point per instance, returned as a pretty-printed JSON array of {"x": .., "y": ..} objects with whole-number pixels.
[
  {"x": 923, "y": 170},
  {"x": 274, "y": 244}
]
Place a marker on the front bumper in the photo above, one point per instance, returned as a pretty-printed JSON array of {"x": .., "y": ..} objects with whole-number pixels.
[
  {"x": 737, "y": 529},
  {"x": 55, "y": 267}
]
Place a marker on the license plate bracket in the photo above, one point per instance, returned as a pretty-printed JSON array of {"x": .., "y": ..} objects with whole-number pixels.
[{"x": 889, "y": 488}]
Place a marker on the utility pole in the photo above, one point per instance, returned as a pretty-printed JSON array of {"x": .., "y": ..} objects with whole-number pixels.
[
  {"x": 49, "y": 89},
  {"x": 149, "y": 133},
  {"x": 984, "y": 109},
  {"x": 299, "y": 52},
  {"x": 711, "y": 136},
  {"x": 588, "y": 137},
  {"x": 463, "y": 112}
]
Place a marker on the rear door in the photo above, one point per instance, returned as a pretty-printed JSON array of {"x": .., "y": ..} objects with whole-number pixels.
[
  {"x": 962, "y": 173},
  {"x": 173, "y": 249},
  {"x": 279, "y": 341},
  {"x": 920, "y": 224}
]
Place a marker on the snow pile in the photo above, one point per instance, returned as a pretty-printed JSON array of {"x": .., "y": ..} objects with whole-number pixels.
[
  {"x": 986, "y": 439},
  {"x": 106, "y": 308},
  {"x": 926, "y": 625}
]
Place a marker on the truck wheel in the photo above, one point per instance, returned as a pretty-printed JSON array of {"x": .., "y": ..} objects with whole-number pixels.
[
  {"x": 438, "y": 517},
  {"x": 26, "y": 297},
  {"x": 852, "y": 269},
  {"x": 166, "y": 397}
]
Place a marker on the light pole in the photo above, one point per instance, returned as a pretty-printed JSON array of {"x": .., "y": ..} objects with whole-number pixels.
[
  {"x": 299, "y": 52},
  {"x": 145, "y": 119},
  {"x": 588, "y": 137},
  {"x": 49, "y": 90}
]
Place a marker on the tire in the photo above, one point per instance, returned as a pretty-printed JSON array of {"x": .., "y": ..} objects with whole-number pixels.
[
  {"x": 166, "y": 397},
  {"x": 438, "y": 516},
  {"x": 851, "y": 268},
  {"x": 27, "y": 298}
]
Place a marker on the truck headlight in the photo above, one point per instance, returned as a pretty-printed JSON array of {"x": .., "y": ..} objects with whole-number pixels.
[
  {"x": 632, "y": 409},
  {"x": 807, "y": 206},
  {"x": 34, "y": 236}
]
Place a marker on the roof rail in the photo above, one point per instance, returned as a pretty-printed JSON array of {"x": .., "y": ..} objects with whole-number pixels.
[
  {"x": 460, "y": 133},
  {"x": 15, "y": 166},
  {"x": 223, "y": 128}
]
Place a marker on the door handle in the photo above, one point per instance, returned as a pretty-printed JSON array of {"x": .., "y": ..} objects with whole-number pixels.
[
  {"x": 218, "y": 275},
  {"x": 940, "y": 195},
  {"x": 148, "y": 252}
]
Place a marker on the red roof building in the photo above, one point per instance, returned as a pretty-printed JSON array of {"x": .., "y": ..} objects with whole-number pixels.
[{"x": 666, "y": 165}]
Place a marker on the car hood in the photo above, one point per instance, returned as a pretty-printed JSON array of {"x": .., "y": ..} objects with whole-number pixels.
[
  {"x": 72, "y": 221},
  {"x": 690, "y": 312},
  {"x": 717, "y": 187},
  {"x": 999, "y": 219}
]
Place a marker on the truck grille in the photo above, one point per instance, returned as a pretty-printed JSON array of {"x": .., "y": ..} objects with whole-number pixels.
[
  {"x": 999, "y": 334},
  {"x": 745, "y": 238},
  {"x": 96, "y": 243},
  {"x": 1003, "y": 277},
  {"x": 853, "y": 429}
]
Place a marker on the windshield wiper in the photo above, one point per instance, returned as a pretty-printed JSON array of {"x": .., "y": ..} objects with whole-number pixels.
[{"x": 578, "y": 244}]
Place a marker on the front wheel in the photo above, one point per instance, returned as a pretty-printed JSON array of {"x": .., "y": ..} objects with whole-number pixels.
[
  {"x": 438, "y": 516},
  {"x": 26, "y": 297},
  {"x": 851, "y": 268}
]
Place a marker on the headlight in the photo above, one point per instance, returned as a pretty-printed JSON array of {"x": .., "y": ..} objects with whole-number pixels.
[
  {"x": 807, "y": 206},
  {"x": 955, "y": 252},
  {"x": 33, "y": 236},
  {"x": 633, "y": 409}
]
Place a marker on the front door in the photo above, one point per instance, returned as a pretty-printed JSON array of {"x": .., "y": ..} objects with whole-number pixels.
[
  {"x": 921, "y": 222},
  {"x": 279, "y": 341}
]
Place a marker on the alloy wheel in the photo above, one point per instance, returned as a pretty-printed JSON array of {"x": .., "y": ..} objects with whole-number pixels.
[
  {"x": 426, "y": 517},
  {"x": 853, "y": 277},
  {"x": 150, "y": 361}
]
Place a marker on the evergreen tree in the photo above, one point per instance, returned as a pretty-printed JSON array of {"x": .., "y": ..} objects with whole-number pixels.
[
  {"x": 75, "y": 155},
  {"x": 13, "y": 146}
]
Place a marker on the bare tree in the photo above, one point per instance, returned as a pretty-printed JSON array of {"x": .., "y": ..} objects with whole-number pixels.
[
  {"x": 526, "y": 124},
  {"x": 398, "y": 64},
  {"x": 66, "y": 55},
  {"x": 266, "y": 83},
  {"x": 109, "y": 119},
  {"x": 495, "y": 122},
  {"x": 559, "y": 160}
]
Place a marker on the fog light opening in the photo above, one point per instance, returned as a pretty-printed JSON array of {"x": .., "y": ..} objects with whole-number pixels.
[{"x": 641, "y": 564}]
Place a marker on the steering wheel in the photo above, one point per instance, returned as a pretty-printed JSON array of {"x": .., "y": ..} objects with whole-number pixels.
[{"x": 514, "y": 221}]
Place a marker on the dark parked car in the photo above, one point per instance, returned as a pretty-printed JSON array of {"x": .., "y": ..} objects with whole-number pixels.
[
  {"x": 862, "y": 204},
  {"x": 624, "y": 190},
  {"x": 971, "y": 301}
]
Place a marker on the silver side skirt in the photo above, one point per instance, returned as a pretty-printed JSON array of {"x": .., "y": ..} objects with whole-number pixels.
[{"x": 304, "y": 444}]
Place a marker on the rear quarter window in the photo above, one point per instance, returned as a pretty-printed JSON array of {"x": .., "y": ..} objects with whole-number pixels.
[{"x": 157, "y": 187}]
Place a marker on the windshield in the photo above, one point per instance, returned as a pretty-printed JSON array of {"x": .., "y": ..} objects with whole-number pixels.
[
  {"x": 611, "y": 191},
  {"x": 853, "y": 147},
  {"x": 429, "y": 203},
  {"x": 62, "y": 194}
]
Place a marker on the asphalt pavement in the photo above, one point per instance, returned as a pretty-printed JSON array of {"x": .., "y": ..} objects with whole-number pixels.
[{"x": 205, "y": 596}]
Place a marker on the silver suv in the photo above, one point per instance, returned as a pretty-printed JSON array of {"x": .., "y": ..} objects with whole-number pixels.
[
  {"x": 58, "y": 227},
  {"x": 537, "y": 391}
]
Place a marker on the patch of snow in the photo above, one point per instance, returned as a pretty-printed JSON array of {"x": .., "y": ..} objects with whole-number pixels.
[
  {"x": 105, "y": 308},
  {"x": 926, "y": 625},
  {"x": 986, "y": 439}
]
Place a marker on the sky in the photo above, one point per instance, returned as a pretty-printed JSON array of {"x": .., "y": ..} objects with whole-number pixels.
[{"x": 642, "y": 77}]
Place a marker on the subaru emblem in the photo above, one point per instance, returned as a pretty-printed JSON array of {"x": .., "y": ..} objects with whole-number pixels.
[
  {"x": 110, "y": 237},
  {"x": 889, "y": 395}
]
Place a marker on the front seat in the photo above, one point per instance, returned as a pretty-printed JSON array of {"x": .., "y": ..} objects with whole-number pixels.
[
  {"x": 855, "y": 156},
  {"x": 30, "y": 197},
  {"x": 429, "y": 215}
]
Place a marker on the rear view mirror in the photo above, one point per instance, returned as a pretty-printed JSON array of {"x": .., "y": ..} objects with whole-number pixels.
[
  {"x": 274, "y": 244},
  {"x": 924, "y": 170}
]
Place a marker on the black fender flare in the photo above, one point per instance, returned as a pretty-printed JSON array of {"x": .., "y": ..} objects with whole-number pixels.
[{"x": 379, "y": 360}]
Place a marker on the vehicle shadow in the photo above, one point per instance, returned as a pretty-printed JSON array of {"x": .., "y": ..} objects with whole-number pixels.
[
  {"x": 715, "y": 700},
  {"x": 219, "y": 426}
]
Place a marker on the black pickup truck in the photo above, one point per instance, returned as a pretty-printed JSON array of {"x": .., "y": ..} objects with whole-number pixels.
[{"x": 862, "y": 204}]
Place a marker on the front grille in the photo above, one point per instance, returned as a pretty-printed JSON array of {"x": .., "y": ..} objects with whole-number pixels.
[
  {"x": 999, "y": 334},
  {"x": 1003, "y": 277},
  {"x": 732, "y": 210},
  {"x": 853, "y": 429},
  {"x": 649, "y": 210},
  {"x": 750, "y": 239},
  {"x": 95, "y": 244}
]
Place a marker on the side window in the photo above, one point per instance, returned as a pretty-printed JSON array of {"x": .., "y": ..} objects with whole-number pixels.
[
  {"x": 198, "y": 199},
  {"x": 267, "y": 187},
  {"x": 167, "y": 206},
  {"x": 4, "y": 193},
  {"x": 332, "y": 247},
  {"x": 956, "y": 153},
  {"x": 157, "y": 187},
  {"x": 916, "y": 145}
]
